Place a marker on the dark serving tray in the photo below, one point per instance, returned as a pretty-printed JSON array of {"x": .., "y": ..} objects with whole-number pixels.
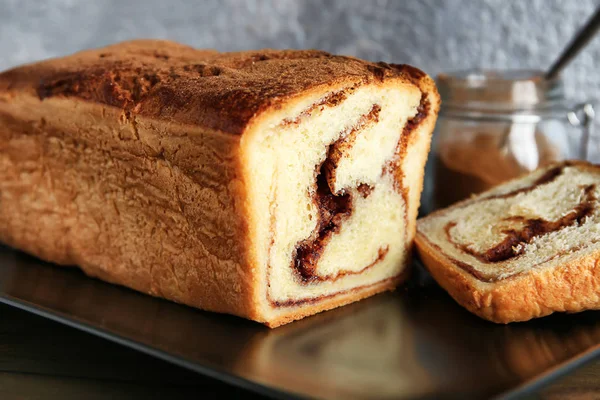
[{"x": 413, "y": 343}]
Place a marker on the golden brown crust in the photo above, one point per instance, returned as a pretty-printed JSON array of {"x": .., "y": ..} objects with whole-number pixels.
[
  {"x": 142, "y": 213},
  {"x": 571, "y": 287},
  {"x": 162, "y": 79},
  {"x": 104, "y": 149}
]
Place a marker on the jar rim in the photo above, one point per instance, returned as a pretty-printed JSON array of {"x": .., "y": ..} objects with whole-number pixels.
[
  {"x": 500, "y": 91},
  {"x": 476, "y": 76}
]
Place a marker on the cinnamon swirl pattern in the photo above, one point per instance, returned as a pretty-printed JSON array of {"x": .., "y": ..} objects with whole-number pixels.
[
  {"x": 522, "y": 250},
  {"x": 270, "y": 184}
]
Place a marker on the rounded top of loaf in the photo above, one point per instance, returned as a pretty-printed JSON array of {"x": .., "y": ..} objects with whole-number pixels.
[{"x": 173, "y": 82}]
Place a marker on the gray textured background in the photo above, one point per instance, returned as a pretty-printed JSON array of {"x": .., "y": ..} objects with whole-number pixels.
[{"x": 434, "y": 35}]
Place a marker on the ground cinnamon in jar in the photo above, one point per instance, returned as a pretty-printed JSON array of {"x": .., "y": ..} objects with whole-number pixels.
[
  {"x": 479, "y": 162},
  {"x": 495, "y": 126}
]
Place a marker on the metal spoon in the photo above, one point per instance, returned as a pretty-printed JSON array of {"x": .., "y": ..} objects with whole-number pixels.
[
  {"x": 584, "y": 35},
  {"x": 586, "y": 114}
]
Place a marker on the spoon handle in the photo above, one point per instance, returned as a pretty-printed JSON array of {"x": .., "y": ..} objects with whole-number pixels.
[{"x": 583, "y": 37}]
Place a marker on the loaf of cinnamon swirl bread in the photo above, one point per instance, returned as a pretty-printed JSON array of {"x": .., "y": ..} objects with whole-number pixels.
[
  {"x": 522, "y": 250},
  {"x": 266, "y": 184}
]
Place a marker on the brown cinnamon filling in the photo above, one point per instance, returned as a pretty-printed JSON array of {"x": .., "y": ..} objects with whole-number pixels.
[
  {"x": 364, "y": 190},
  {"x": 548, "y": 177},
  {"x": 340, "y": 148},
  {"x": 310, "y": 300},
  {"x": 333, "y": 209},
  {"x": 331, "y": 100},
  {"x": 512, "y": 245},
  {"x": 414, "y": 122},
  {"x": 393, "y": 167}
]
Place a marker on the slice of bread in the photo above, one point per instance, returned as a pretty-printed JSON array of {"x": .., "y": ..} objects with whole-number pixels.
[{"x": 522, "y": 250}]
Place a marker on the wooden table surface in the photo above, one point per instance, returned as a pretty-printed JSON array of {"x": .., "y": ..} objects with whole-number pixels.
[{"x": 42, "y": 359}]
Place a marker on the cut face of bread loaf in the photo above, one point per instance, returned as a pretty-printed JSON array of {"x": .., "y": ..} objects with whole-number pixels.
[
  {"x": 522, "y": 250},
  {"x": 269, "y": 184}
]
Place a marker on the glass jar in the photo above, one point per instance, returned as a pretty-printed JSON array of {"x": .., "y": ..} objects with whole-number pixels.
[{"x": 497, "y": 125}]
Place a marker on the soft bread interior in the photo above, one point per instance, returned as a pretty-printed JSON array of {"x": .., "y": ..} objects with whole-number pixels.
[
  {"x": 542, "y": 220},
  {"x": 348, "y": 150}
]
